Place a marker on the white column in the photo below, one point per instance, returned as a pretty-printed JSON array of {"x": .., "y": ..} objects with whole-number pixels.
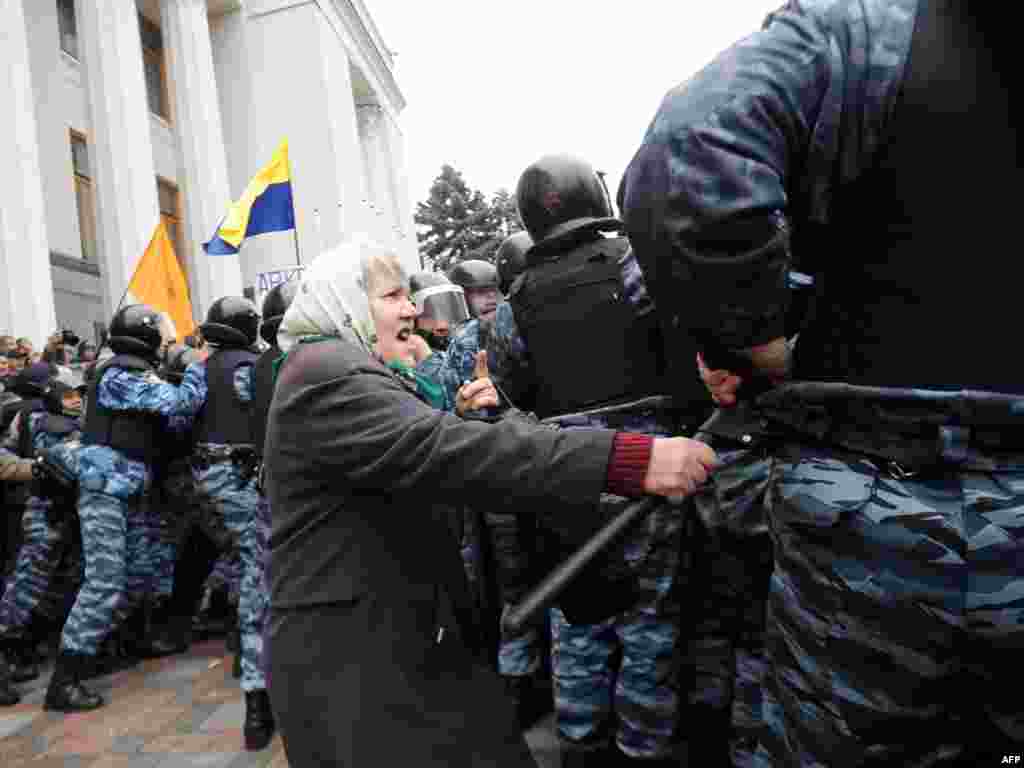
[
  {"x": 203, "y": 161},
  {"x": 407, "y": 244},
  {"x": 127, "y": 208},
  {"x": 374, "y": 137},
  {"x": 26, "y": 287},
  {"x": 349, "y": 169}
]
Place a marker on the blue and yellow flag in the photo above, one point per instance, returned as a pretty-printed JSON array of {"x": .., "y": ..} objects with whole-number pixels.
[{"x": 265, "y": 206}]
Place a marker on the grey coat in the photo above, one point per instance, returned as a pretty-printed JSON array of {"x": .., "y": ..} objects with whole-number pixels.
[{"x": 371, "y": 659}]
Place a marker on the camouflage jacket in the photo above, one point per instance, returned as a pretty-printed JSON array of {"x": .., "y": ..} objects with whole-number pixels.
[
  {"x": 106, "y": 470},
  {"x": 764, "y": 136}
]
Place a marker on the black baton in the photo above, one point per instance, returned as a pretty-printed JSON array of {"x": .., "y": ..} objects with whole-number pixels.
[{"x": 548, "y": 590}]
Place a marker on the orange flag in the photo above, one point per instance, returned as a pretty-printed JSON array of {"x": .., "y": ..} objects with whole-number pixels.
[{"x": 159, "y": 282}]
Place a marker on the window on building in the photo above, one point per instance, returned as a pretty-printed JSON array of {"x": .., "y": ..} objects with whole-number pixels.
[
  {"x": 85, "y": 196},
  {"x": 170, "y": 214},
  {"x": 67, "y": 28},
  {"x": 155, "y": 68}
]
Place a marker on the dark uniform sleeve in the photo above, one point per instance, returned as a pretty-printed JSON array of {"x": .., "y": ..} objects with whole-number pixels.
[
  {"x": 371, "y": 433},
  {"x": 757, "y": 139}
]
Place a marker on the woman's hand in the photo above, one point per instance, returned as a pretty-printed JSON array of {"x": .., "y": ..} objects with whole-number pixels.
[
  {"x": 479, "y": 393},
  {"x": 678, "y": 466}
]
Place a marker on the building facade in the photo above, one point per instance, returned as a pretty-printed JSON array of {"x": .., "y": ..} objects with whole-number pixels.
[{"x": 125, "y": 112}]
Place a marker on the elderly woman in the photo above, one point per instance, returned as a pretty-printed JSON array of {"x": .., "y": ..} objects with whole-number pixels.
[{"x": 372, "y": 658}]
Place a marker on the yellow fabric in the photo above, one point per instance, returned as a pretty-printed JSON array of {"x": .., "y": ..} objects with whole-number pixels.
[
  {"x": 232, "y": 229},
  {"x": 159, "y": 282}
]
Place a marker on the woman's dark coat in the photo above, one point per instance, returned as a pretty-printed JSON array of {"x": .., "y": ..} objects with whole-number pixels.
[{"x": 370, "y": 664}]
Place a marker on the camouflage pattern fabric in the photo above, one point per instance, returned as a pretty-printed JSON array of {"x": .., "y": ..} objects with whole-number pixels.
[
  {"x": 43, "y": 542},
  {"x": 226, "y": 574},
  {"x": 37, "y": 561},
  {"x": 649, "y": 559},
  {"x": 895, "y": 612},
  {"x": 519, "y": 652},
  {"x": 109, "y": 497},
  {"x": 641, "y": 692},
  {"x": 117, "y": 530},
  {"x": 224, "y": 491},
  {"x": 226, "y": 494},
  {"x": 731, "y": 568}
]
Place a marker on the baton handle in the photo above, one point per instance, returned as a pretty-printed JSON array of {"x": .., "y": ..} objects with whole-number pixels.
[{"x": 548, "y": 590}]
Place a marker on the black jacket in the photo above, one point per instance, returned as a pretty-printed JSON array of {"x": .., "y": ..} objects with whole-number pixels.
[{"x": 363, "y": 576}]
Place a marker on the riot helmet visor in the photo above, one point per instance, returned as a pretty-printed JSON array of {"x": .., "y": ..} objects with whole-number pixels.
[{"x": 441, "y": 303}]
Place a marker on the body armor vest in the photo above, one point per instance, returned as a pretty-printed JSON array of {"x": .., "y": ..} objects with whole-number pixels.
[
  {"x": 917, "y": 259},
  {"x": 263, "y": 376},
  {"x": 587, "y": 345},
  {"x": 225, "y": 419},
  {"x": 136, "y": 434}
]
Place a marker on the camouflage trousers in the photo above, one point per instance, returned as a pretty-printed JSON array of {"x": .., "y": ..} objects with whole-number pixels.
[
  {"x": 222, "y": 490},
  {"x": 895, "y": 624},
  {"x": 520, "y": 652},
  {"x": 119, "y": 568},
  {"x": 37, "y": 561},
  {"x": 226, "y": 574},
  {"x": 728, "y": 592},
  {"x": 635, "y": 700}
]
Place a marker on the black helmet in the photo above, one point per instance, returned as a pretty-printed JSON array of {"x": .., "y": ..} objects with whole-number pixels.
[
  {"x": 275, "y": 304},
  {"x": 178, "y": 358},
  {"x": 474, "y": 274},
  {"x": 511, "y": 258},
  {"x": 231, "y": 322},
  {"x": 135, "y": 330},
  {"x": 559, "y": 194}
]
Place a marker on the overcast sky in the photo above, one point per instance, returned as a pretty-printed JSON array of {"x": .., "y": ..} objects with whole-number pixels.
[{"x": 491, "y": 86}]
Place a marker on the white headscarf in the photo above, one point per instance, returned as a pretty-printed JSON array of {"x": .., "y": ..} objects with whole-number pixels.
[{"x": 332, "y": 299}]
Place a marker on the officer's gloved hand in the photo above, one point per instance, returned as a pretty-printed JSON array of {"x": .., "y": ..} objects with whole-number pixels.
[
  {"x": 769, "y": 361},
  {"x": 479, "y": 393}
]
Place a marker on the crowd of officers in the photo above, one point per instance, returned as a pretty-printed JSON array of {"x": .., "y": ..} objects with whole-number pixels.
[
  {"x": 854, "y": 561},
  {"x": 161, "y": 448},
  {"x": 116, "y": 481}
]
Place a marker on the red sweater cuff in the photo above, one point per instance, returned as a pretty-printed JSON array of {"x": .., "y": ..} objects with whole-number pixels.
[{"x": 631, "y": 453}]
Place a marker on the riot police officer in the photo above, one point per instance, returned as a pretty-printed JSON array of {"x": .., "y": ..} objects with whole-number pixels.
[
  {"x": 578, "y": 332},
  {"x": 126, "y": 405},
  {"x": 440, "y": 307},
  {"x": 226, "y": 472},
  {"x": 479, "y": 280},
  {"x": 894, "y": 622},
  {"x": 47, "y": 520}
]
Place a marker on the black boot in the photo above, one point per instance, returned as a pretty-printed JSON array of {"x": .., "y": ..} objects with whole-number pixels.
[
  {"x": 113, "y": 657},
  {"x": 144, "y": 639},
  {"x": 66, "y": 692},
  {"x": 8, "y": 696},
  {"x": 259, "y": 720}
]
